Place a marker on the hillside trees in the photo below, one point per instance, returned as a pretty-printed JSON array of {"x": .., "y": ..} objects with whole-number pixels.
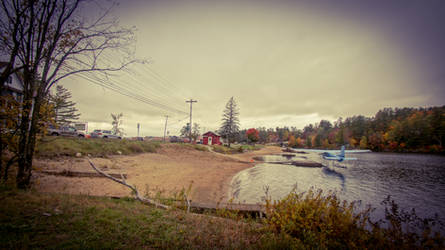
[
  {"x": 50, "y": 40},
  {"x": 65, "y": 111},
  {"x": 396, "y": 130},
  {"x": 230, "y": 121}
]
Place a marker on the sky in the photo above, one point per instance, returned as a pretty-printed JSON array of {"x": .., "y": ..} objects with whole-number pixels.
[{"x": 286, "y": 63}]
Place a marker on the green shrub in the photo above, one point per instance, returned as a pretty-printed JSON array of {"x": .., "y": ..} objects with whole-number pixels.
[
  {"x": 323, "y": 221},
  {"x": 221, "y": 149},
  {"x": 317, "y": 220},
  {"x": 200, "y": 148},
  {"x": 135, "y": 148}
]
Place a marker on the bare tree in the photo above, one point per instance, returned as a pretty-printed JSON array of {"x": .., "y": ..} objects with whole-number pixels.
[
  {"x": 50, "y": 40},
  {"x": 117, "y": 123},
  {"x": 194, "y": 134},
  {"x": 230, "y": 125}
]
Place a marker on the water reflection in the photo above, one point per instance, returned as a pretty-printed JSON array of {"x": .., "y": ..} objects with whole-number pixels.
[
  {"x": 331, "y": 173},
  {"x": 412, "y": 180}
]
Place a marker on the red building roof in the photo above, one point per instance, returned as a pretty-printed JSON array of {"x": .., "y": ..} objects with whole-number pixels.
[{"x": 210, "y": 133}]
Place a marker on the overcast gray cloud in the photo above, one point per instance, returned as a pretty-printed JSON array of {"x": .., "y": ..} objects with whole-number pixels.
[{"x": 286, "y": 63}]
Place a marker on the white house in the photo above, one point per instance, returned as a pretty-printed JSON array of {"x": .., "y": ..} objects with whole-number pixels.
[{"x": 13, "y": 85}]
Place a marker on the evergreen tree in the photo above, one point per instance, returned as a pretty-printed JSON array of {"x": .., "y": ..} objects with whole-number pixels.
[
  {"x": 65, "y": 111},
  {"x": 230, "y": 125}
]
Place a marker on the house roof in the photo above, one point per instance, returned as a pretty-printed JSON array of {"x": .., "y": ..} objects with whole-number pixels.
[{"x": 210, "y": 133}]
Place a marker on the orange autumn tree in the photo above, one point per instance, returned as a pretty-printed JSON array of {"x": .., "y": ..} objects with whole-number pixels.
[{"x": 252, "y": 135}]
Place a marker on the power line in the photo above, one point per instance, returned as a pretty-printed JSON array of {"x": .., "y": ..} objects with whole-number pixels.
[
  {"x": 128, "y": 89},
  {"x": 131, "y": 95},
  {"x": 157, "y": 90}
]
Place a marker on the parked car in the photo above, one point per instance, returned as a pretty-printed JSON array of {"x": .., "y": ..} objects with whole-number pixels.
[
  {"x": 65, "y": 131},
  {"x": 99, "y": 133}
]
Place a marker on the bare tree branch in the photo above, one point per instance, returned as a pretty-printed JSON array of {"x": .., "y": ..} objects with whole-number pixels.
[{"x": 123, "y": 182}]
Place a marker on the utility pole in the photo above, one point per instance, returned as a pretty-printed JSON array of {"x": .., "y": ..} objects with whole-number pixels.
[
  {"x": 165, "y": 128},
  {"x": 191, "y": 101},
  {"x": 138, "y": 129}
]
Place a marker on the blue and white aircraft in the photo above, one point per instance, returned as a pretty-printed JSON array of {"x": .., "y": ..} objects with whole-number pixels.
[{"x": 340, "y": 157}]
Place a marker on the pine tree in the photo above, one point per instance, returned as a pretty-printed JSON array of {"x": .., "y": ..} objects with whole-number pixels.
[
  {"x": 65, "y": 111},
  {"x": 230, "y": 125}
]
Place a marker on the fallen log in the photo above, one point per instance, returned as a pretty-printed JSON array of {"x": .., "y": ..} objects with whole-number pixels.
[
  {"x": 133, "y": 188},
  {"x": 68, "y": 173}
]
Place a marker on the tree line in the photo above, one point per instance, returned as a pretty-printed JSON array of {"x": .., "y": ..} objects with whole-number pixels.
[{"x": 392, "y": 130}]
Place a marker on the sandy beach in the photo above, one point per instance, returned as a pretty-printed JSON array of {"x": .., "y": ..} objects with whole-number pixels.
[{"x": 169, "y": 170}]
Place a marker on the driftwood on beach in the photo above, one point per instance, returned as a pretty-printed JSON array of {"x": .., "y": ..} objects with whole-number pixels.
[
  {"x": 68, "y": 173},
  {"x": 122, "y": 180}
]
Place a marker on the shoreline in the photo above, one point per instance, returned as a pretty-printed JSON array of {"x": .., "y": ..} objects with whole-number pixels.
[{"x": 172, "y": 168}]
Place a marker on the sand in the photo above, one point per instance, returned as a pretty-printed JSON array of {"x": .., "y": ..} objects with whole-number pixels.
[{"x": 169, "y": 170}]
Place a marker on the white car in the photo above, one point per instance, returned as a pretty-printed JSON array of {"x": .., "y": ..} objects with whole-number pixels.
[
  {"x": 65, "y": 131},
  {"x": 99, "y": 133}
]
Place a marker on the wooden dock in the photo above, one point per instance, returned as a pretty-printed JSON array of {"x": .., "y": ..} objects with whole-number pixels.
[{"x": 254, "y": 210}]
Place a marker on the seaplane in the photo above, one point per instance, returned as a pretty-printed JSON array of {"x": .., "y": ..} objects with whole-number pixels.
[{"x": 337, "y": 157}]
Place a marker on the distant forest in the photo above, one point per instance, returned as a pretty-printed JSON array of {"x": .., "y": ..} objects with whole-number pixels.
[{"x": 391, "y": 130}]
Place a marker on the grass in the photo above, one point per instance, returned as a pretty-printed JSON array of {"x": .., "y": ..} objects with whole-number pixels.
[
  {"x": 66, "y": 146},
  {"x": 197, "y": 147},
  {"x": 235, "y": 148},
  {"x": 35, "y": 220},
  {"x": 310, "y": 220}
]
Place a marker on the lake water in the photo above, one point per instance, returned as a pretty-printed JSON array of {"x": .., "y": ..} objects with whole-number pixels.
[{"x": 413, "y": 181}]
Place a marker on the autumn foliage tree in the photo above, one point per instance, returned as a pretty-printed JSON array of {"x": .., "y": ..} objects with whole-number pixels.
[
  {"x": 252, "y": 135},
  {"x": 292, "y": 141}
]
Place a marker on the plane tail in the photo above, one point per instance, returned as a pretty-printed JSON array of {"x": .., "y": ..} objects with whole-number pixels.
[{"x": 342, "y": 153}]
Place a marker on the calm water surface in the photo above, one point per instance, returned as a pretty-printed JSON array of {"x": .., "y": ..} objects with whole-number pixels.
[{"x": 413, "y": 181}]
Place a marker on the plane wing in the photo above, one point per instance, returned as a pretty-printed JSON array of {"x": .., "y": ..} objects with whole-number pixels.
[{"x": 332, "y": 158}]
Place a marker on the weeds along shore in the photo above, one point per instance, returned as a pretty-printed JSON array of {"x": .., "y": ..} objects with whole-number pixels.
[{"x": 30, "y": 219}]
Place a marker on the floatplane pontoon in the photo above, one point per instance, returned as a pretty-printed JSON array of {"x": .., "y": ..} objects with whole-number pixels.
[{"x": 338, "y": 157}]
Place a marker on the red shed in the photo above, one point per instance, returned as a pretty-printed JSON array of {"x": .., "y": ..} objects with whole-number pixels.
[{"x": 211, "y": 138}]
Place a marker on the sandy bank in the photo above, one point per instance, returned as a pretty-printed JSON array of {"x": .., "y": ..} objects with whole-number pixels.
[{"x": 172, "y": 168}]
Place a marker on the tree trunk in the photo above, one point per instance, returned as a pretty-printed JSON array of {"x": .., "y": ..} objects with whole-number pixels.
[
  {"x": 1, "y": 153},
  {"x": 27, "y": 145}
]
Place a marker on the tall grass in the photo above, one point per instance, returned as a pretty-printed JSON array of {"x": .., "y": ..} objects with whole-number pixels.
[{"x": 319, "y": 220}]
